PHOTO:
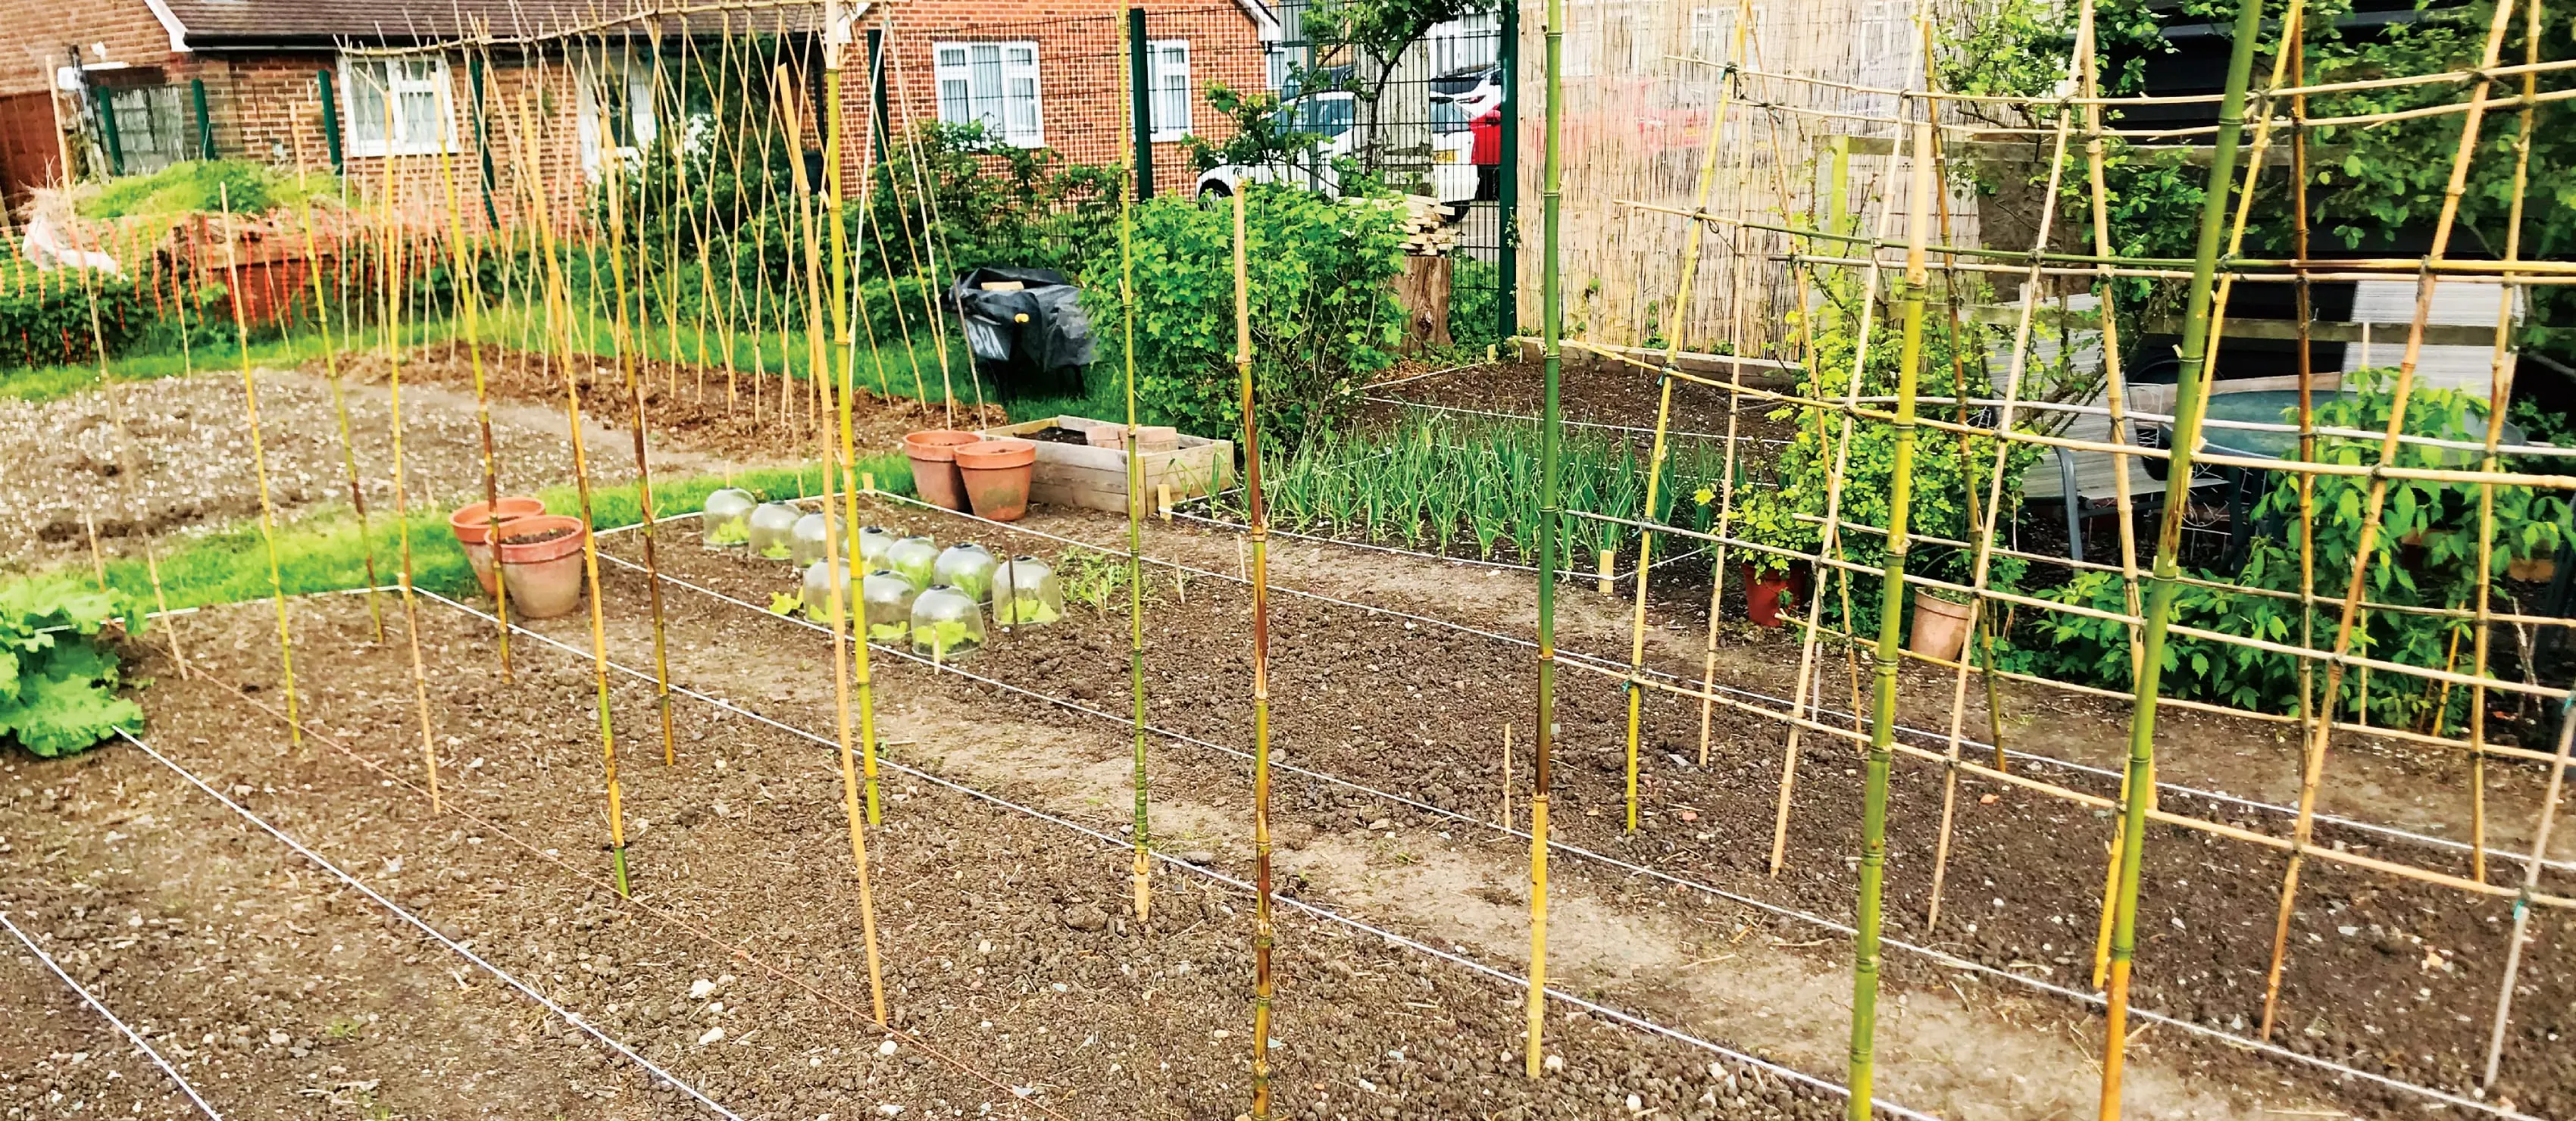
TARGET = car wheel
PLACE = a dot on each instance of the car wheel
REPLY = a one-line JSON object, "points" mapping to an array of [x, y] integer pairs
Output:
{"points": [[1214, 192]]}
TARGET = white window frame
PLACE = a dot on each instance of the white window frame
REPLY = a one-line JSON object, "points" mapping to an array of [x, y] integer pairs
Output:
{"points": [[386, 67], [963, 70], [1160, 71], [643, 121]]}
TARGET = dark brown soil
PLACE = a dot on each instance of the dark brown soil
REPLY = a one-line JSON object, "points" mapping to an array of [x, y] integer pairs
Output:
{"points": [[1607, 393], [684, 405], [1057, 434], [533, 538], [1006, 944], [2385, 975]]}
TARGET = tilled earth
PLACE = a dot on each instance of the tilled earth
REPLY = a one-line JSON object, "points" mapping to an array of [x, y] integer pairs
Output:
{"points": [[1009, 955], [2384, 974], [1604, 393]]}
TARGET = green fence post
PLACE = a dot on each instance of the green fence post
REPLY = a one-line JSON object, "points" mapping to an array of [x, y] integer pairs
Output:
{"points": [[105, 98], [883, 133], [330, 117], [205, 121], [1141, 101], [1507, 311], [482, 144]]}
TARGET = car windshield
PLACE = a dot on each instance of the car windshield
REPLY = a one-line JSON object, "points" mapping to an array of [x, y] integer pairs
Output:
{"points": [[1447, 117], [1324, 117]]}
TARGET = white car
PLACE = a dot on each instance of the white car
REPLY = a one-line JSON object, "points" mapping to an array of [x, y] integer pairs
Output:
{"points": [[1329, 115]]}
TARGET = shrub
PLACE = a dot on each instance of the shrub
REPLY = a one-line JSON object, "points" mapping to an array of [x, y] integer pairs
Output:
{"points": [[57, 680], [1324, 313], [202, 187]]}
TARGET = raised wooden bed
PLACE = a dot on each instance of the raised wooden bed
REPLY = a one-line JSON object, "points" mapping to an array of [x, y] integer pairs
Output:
{"points": [[1081, 475]]}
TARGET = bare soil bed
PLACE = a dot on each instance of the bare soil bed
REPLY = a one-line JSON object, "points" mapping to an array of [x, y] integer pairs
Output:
{"points": [[686, 406], [2385, 975], [1009, 956]]}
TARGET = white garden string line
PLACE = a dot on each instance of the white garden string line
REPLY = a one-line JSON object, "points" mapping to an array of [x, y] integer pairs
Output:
{"points": [[562, 1013], [1122, 844], [1418, 377], [1919, 735], [94, 1003], [1941, 957]]}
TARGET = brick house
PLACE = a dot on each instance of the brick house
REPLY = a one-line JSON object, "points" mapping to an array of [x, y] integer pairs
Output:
{"points": [[126, 87]]}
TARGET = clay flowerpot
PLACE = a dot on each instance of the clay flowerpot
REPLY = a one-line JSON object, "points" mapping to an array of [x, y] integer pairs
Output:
{"points": [[995, 474], [472, 527], [2534, 569], [1940, 628], [542, 557], [934, 465], [1766, 593]]}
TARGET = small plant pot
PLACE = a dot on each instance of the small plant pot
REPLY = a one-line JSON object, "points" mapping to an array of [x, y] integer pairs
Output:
{"points": [[1767, 593], [472, 527], [934, 465], [995, 474], [1940, 628], [542, 556]]}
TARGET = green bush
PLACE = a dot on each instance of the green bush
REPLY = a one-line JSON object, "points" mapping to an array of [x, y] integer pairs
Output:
{"points": [[57, 680], [45, 316], [1324, 313], [204, 187]]}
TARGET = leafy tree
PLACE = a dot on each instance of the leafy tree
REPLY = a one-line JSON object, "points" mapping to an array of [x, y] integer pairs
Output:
{"points": [[1262, 134]]}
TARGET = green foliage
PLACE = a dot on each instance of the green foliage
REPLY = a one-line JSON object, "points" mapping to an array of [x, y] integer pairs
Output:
{"points": [[2425, 555], [1472, 487], [1324, 313], [203, 187], [1261, 133], [45, 315], [57, 680], [1789, 514]]}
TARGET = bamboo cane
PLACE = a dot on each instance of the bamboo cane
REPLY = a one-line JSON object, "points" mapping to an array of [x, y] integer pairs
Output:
{"points": [[2191, 401], [622, 337], [559, 316], [402, 524], [1664, 404], [2500, 391], [1264, 931], [1882, 735], [1143, 886], [124, 478], [2374, 501], [833, 185], [259, 469], [469, 299], [1551, 366], [1983, 516]]}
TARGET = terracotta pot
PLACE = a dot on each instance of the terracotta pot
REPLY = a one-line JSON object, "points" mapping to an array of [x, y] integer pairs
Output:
{"points": [[470, 525], [2534, 569], [545, 576], [1764, 594], [934, 465], [995, 474], [1940, 628]]}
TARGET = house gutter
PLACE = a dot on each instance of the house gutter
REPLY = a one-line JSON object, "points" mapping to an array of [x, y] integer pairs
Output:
{"points": [[170, 23]]}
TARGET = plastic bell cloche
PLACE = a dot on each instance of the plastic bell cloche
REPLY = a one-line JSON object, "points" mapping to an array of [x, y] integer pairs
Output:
{"points": [[914, 557], [1025, 593], [967, 567], [769, 530], [817, 593], [806, 544], [725, 520], [888, 597], [946, 623], [874, 540]]}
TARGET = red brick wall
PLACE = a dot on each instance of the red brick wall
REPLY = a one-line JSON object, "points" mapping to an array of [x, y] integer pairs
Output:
{"points": [[1082, 69], [33, 42]]}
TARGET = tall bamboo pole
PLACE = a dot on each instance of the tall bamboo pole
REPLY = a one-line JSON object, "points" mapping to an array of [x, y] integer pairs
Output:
{"points": [[1882, 724], [388, 230], [2191, 400], [259, 468], [834, 147], [1550, 516], [2500, 392], [1142, 880], [125, 479], [469, 300], [2373, 503], [559, 313], [622, 338], [1264, 933], [1664, 404]]}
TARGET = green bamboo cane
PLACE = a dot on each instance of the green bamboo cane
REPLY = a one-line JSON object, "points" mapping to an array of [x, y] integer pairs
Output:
{"points": [[1264, 933], [1882, 724], [622, 339], [2191, 399], [1550, 516], [842, 290], [259, 468], [1143, 889], [1664, 405], [469, 299]]}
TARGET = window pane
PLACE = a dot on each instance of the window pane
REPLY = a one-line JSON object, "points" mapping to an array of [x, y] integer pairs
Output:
{"points": [[1024, 56], [367, 103], [1024, 109], [953, 104], [952, 56], [419, 123], [984, 75]]}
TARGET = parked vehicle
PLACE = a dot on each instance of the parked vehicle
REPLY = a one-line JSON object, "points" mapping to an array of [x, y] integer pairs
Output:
{"points": [[1329, 115]]}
